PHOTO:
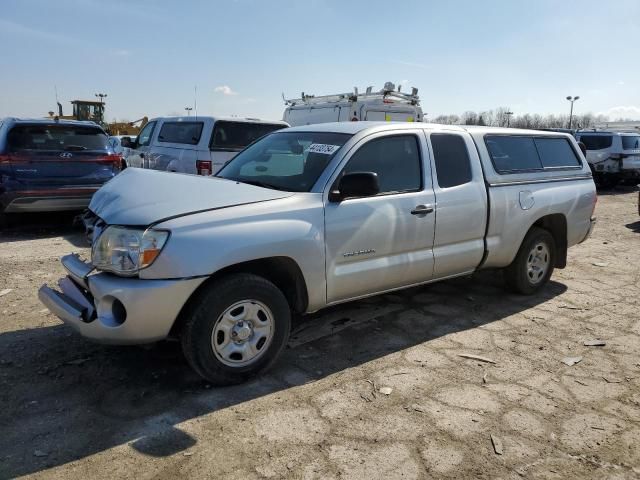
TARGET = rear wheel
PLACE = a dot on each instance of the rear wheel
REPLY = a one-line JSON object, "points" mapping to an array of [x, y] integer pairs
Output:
{"points": [[4, 221], [534, 263], [236, 328]]}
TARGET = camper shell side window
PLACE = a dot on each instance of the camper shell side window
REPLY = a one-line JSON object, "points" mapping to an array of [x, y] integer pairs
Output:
{"points": [[531, 153]]}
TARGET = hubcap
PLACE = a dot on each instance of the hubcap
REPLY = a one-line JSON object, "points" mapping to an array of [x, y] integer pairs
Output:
{"points": [[242, 333], [538, 263]]}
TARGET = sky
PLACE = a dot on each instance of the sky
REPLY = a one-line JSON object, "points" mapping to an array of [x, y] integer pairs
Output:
{"points": [[237, 57]]}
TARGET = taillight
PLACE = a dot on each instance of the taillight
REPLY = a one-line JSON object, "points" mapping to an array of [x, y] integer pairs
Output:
{"points": [[4, 161], [113, 158], [203, 167]]}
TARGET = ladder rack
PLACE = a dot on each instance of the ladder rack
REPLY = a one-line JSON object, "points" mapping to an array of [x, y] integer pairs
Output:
{"points": [[388, 92]]}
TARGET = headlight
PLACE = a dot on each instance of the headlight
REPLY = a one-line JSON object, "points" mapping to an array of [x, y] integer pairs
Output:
{"points": [[127, 250]]}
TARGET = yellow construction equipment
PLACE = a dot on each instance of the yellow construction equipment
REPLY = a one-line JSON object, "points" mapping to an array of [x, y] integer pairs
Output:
{"points": [[89, 110], [126, 128]]}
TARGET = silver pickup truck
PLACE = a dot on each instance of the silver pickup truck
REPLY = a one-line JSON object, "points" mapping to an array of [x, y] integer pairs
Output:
{"points": [[314, 216]]}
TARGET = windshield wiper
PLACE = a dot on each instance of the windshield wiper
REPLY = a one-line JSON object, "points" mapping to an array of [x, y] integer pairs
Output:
{"points": [[74, 148]]}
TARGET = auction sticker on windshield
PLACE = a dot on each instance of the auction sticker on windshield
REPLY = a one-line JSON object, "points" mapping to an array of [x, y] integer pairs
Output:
{"points": [[323, 148]]}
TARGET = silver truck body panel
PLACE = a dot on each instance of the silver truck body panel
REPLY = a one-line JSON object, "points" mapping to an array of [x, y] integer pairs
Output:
{"points": [[142, 197], [216, 239]]}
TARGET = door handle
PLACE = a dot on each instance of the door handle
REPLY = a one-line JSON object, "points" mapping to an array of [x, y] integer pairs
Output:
{"points": [[422, 210]]}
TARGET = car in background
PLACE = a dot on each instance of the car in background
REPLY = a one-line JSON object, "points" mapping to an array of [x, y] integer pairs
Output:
{"points": [[200, 145], [116, 143], [614, 156], [52, 165]]}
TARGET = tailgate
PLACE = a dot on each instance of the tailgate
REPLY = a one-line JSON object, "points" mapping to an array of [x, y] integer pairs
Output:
{"points": [[60, 154]]}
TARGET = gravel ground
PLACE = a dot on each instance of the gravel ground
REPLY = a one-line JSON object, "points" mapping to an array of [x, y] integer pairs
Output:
{"points": [[70, 409]]}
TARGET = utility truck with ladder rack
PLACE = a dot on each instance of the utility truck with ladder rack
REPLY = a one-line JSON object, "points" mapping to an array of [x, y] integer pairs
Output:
{"points": [[389, 104]]}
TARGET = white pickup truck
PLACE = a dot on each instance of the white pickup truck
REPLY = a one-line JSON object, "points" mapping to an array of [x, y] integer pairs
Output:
{"points": [[313, 216]]}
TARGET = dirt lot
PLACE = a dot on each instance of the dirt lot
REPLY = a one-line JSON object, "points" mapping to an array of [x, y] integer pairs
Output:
{"points": [[70, 409]]}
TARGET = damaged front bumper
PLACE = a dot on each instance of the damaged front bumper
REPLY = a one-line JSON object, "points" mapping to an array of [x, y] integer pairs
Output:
{"points": [[110, 309]]}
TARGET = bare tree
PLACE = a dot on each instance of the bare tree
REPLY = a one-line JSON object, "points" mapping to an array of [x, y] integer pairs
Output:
{"points": [[469, 118], [499, 117], [502, 119]]}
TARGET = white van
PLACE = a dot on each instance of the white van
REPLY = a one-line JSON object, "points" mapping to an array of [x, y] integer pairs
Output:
{"points": [[389, 104], [200, 145]]}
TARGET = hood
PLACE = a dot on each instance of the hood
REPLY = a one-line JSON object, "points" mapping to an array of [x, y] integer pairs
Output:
{"points": [[142, 197]]}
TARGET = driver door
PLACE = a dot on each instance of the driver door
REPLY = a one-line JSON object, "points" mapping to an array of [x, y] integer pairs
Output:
{"points": [[379, 243]]}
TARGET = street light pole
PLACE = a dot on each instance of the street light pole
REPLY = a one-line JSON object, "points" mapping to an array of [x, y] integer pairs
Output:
{"points": [[508, 114], [571, 99], [101, 96], [188, 109]]}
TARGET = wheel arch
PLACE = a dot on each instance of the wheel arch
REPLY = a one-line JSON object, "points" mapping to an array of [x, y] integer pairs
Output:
{"points": [[556, 225], [282, 271]]}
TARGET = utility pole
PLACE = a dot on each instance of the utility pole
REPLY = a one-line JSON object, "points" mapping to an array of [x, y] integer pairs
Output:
{"points": [[571, 99], [188, 110], [508, 114]]}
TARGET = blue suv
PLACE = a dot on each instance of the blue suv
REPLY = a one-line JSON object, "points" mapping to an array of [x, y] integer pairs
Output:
{"points": [[52, 165]]}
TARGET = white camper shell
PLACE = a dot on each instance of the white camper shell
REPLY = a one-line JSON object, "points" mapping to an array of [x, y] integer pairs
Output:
{"points": [[389, 104]]}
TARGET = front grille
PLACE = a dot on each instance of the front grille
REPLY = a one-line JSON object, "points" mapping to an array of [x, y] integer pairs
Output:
{"points": [[93, 225]]}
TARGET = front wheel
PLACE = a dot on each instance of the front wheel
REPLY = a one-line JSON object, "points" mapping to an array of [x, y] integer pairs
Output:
{"points": [[534, 263], [237, 327]]}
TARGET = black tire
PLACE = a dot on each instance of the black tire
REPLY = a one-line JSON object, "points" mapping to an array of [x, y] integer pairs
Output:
{"points": [[607, 181], [4, 221], [208, 307], [518, 277]]}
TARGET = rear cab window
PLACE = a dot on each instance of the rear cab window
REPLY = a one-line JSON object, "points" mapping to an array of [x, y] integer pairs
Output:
{"points": [[516, 154], [57, 137], [187, 133], [235, 136], [450, 154]]}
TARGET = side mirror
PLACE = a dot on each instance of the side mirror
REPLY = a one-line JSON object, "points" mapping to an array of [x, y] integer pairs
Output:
{"points": [[126, 142], [355, 184]]}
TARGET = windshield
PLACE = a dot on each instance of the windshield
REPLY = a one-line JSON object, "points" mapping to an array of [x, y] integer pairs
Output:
{"points": [[631, 142], [290, 161]]}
